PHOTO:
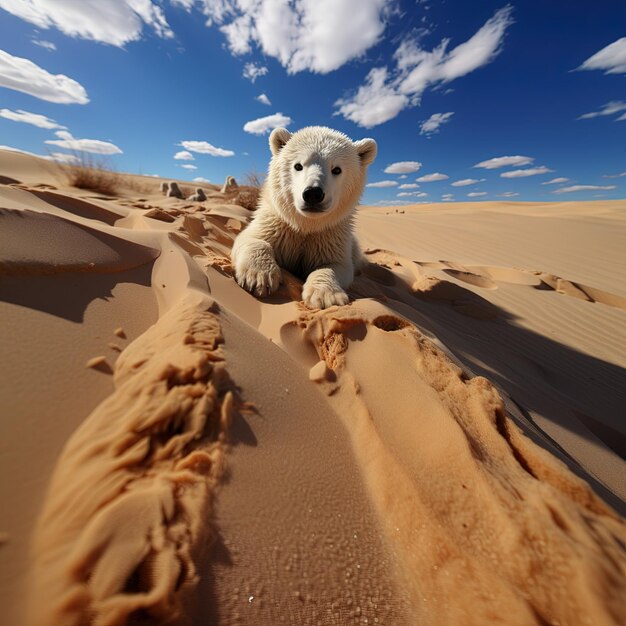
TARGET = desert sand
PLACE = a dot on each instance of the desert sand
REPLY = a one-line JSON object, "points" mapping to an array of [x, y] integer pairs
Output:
{"points": [[446, 449]]}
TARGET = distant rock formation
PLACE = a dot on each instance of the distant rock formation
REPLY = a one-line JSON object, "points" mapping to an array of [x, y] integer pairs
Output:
{"points": [[230, 184], [174, 191], [165, 187], [199, 196]]}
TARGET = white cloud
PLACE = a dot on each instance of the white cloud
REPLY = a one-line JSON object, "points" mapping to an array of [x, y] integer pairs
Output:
{"points": [[383, 183], [263, 125], [476, 194], [252, 71], [508, 194], [114, 22], [432, 124], [431, 178], [184, 155], [25, 76], [531, 171], [315, 35], [447, 197], [504, 161], [555, 181], [409, 186], [467, 181], [403, 167], [416, 194], [42, 43], [263, 99], [374, 103], [189, 166], [204, 147], [610, 108], [34, 119], [612, 59], [95, 146], [386, 93], [583, 188], [201, 179], [614, 175]]}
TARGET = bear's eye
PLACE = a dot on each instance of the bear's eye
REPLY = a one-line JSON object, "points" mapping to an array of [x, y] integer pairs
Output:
{"points": [[298, 167], [336, 171]]}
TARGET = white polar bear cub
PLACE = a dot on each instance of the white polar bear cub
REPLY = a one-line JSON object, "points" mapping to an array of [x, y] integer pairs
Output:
{"points": [[304, 220]]}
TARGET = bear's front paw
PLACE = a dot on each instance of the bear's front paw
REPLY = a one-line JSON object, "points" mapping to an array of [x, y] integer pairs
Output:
{"points": [[261, 281], [318, 296]]}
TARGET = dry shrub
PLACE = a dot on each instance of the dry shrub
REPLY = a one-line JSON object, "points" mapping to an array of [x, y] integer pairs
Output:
{"points": [[245, 196], [254, 178], [92, 173]]}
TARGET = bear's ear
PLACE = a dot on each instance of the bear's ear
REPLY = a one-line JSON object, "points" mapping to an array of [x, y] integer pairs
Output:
{"points": [[278, 138], [367, 150]]}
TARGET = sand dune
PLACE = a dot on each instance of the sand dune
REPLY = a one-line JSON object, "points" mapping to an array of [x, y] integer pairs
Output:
{"points": [[446, 449]]}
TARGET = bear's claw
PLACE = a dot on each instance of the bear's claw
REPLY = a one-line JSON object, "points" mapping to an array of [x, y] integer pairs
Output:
{"points": [[323, 297], [260, 282]]}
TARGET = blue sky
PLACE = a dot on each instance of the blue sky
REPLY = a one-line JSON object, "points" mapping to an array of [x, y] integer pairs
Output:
{"points": [[447, 88]]}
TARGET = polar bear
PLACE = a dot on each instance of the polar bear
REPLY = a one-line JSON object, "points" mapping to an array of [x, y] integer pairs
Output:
{"points": [[304, 220]]}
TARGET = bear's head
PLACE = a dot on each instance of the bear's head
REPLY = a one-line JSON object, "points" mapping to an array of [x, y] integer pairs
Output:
{"points": [[317, 175]]}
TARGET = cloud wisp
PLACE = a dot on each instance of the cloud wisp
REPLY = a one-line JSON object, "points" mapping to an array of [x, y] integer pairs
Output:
{"points": [[263, 125], [611, 59], [574, 188], [467, 181], [94, 146], [610, 108], [432, 178], [204, 147], [504, 161], [263, 99], [432, 124], [403, 167], [556, 181], [530, 171], [386, 93], [34, 119], [383, 183], [23, 75]]}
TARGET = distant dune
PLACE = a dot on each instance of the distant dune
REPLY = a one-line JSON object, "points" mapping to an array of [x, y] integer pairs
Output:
{"points": [[449, 448]]}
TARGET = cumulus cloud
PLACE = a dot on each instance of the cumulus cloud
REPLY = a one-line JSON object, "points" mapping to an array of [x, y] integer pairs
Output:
{"points": [[201, 179], [431, 178], [476, 194], [114, 22], [530, 171], [611, 59], [263, 125], [189, 166], [42, 43], [584, 188], [504, 161], [184, 155], [95, 146], [555, 181], [403, 167], [409, 186], [25, 76], [432, 124], [386, 93], [315, 35], [34, 119], [251, 71], [467, 181], [263, 99], [610, 108], [204, 147], [383, 183]]}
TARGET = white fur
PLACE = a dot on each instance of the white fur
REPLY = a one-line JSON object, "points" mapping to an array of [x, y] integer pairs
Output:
{"points": [[318, 246]]}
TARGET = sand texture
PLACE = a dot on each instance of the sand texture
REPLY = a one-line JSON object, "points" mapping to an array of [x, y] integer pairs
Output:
{"points": [[447, 449]]}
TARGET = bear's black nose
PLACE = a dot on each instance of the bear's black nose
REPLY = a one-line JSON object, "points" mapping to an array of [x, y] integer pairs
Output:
{"points": [[313, 195]]}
